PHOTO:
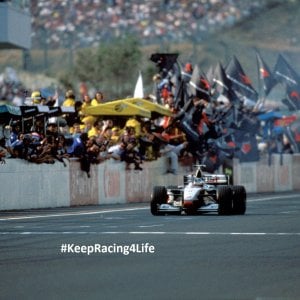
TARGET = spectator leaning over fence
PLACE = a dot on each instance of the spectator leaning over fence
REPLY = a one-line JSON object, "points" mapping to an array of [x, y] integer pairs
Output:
{"points": [[93, 150], [61, 149], [15, 149], [131, 156], [76, 148], [14, 130], [117, 150], [103, 149], [46, 151], [128, 135], [172, 152]]}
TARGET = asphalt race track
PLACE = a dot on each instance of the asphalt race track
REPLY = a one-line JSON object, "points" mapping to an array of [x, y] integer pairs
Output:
{"points": [[123, 252]]}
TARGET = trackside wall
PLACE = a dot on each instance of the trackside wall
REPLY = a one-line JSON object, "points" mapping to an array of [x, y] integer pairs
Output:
{"points": [[25, 185], [281, 174]]}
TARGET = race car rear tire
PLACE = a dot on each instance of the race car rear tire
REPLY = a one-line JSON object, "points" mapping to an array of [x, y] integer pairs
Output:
{"points": [[158, 196], [238, 199], [224, 199]]}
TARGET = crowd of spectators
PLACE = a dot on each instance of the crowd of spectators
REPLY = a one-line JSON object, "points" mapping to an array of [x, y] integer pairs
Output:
{"points": [[131, 140], [89, 139], [61, 24], [201, 130]]}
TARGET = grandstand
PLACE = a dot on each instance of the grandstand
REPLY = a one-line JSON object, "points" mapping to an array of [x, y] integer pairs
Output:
{"points": [[90, 22]]}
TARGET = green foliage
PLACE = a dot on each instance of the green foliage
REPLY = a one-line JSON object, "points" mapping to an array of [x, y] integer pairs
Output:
{"points": [[113, 67]]}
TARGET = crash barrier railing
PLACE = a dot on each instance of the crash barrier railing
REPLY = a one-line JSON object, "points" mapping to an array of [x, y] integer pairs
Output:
{"points": [[26, 185]]}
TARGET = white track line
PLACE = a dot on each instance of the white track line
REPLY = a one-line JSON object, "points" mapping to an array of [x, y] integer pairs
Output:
{"points": [[82, 213], [274, 198], [198, 233]]}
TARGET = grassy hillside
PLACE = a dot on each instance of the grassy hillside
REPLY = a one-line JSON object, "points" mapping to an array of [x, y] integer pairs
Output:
{"points": [[273, 31]]}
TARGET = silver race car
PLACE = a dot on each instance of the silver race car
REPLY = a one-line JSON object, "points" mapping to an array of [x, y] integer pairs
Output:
{"points": [[200, 193]]}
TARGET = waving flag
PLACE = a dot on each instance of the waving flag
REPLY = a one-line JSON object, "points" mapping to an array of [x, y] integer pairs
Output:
{"points": [[139, 88], [293, 96], [284, 73], [199, 84], [221, 85], [164, 60], [265, 75], [239, 80]]}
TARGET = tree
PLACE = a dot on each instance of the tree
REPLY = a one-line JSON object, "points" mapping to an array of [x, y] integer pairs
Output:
{"points": [[111, 67]]}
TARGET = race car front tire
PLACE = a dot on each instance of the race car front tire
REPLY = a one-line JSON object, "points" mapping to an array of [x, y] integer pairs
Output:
{"points": [[158, 196], [224, 199], [238, 200]]}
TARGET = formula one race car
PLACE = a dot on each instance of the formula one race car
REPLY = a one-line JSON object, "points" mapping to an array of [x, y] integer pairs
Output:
{"points": [[200, 193]]}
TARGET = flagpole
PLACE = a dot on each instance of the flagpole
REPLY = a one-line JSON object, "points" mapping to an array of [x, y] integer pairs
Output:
{"points": [[261, 99]]}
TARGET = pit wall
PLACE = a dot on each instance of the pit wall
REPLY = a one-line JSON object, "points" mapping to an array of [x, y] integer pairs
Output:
{"points": [[25, 185]]}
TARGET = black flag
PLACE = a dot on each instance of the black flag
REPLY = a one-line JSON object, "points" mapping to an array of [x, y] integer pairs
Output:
{"points": [[164, 60], [240, 81], [284, 73], [221, 85], [265, 75], [199, 85]]}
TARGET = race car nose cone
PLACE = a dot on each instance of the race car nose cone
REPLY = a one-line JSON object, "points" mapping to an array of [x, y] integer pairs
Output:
{"points": [[188, 204]]}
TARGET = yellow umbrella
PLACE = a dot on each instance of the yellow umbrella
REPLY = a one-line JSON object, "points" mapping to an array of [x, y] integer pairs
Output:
{"points": [[117, 108], [153, 107]]}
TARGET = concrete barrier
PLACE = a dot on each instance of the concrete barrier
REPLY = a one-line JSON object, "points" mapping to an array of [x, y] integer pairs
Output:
{"points": [[27, 185]]}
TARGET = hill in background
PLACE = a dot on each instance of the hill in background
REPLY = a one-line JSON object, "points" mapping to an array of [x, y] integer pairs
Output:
{"points": [[273, 31]]}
